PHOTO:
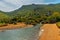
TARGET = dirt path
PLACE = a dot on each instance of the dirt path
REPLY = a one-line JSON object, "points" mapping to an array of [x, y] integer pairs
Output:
{"points": [[51, 32]]}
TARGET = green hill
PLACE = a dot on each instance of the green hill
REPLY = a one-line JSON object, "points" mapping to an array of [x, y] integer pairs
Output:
{"points": [[33, 14]]}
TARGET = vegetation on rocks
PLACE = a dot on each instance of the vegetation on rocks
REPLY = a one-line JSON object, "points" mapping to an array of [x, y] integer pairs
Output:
{"points": [[32, 14], [58, 24]]}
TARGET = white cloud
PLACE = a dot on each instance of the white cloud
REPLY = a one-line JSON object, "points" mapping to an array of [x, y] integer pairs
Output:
{"points": [[9, 5]]}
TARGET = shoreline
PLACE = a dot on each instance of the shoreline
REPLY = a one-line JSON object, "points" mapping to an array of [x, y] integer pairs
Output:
{"points": [[41, 32], [15, 26]]}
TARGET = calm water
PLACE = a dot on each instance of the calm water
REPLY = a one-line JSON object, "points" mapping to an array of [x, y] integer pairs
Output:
{"points": [[21, 34]]}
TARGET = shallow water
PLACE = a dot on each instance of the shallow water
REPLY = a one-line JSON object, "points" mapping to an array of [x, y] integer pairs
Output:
{"points": [[21, 34]]}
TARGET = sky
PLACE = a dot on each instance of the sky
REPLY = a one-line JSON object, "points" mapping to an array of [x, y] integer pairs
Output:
{"points": [[10, 5]]}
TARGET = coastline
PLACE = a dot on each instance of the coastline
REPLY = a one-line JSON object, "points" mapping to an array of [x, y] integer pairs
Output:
{"points": [[15, 26]]}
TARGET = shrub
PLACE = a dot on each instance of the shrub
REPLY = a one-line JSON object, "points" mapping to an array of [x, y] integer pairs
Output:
{"points": [[58, 24], [3, 24]]}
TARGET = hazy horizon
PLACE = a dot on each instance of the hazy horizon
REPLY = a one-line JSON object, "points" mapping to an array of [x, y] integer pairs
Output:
{"points": [[10, 5]]}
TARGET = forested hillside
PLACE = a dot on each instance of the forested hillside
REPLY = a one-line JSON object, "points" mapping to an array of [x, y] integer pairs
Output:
{"points": [[33, 14]]}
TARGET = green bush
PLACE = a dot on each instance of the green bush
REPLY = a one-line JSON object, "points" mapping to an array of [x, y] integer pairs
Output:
{"points": [[58, 24], [3, 24]]}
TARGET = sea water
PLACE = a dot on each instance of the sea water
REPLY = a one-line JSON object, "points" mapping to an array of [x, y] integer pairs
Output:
{"points": [[30, 33]]}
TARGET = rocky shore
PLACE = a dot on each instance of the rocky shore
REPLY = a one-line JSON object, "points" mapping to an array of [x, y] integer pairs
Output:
{"points": [[15, 26]]}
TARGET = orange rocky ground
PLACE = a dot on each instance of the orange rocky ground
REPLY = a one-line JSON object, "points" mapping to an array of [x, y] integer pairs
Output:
{"points": [[15, 26], [51, 32]]}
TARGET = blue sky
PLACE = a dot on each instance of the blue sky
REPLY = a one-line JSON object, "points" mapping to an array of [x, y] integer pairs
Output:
{"points": [[10, 5]]}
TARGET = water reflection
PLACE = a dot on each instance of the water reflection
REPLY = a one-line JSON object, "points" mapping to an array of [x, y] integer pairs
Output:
{"points": [[21, 34]]}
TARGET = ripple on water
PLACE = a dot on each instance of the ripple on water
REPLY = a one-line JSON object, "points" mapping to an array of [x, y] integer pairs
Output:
{"points": [[30, 33]]}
